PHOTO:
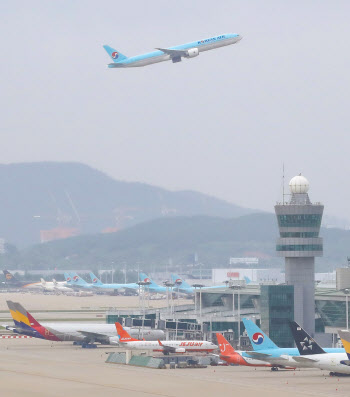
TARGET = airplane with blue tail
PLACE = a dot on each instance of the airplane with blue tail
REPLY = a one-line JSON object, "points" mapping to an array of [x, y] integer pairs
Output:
{"points": [[75, 281], [181, 285], [152, 286], [98, 284], [175, 54], [265, 348]]}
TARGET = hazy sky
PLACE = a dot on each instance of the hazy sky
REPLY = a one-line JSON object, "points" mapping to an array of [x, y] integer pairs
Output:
{"points": [[222, 123]]}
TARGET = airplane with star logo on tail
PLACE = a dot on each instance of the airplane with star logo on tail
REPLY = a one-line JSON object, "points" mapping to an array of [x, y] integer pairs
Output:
{"points": [[175, 54], [265, 349]]}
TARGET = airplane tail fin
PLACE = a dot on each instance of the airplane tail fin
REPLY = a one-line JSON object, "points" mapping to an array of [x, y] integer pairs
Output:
{"points": [[21, 317], [225, 347], [77, 279], [43, 282], [147, 279], [179, 281], [27, 323], [258, 339], [345, 338], [95, 280], [10, 278], [305, 344], [247, 280], [68, 278], [114, 54], [123, 334]]}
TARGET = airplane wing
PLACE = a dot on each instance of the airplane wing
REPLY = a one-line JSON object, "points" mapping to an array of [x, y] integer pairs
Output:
{"points": [[259, 356], [96, 337], [305, 360], [166, 348], [173, 53]]}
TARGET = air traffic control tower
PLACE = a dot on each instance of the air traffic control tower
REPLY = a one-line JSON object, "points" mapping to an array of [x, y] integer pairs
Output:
{"points": [[299, 223]]}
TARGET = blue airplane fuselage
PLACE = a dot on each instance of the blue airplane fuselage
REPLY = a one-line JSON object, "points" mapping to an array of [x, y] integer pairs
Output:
{"points": [[189, 50]]}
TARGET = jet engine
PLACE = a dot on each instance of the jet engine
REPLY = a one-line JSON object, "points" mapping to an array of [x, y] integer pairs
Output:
{"points": [[192, 52]]}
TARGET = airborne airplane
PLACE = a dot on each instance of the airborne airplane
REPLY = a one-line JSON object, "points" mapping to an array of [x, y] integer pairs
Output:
{"points": [[176, 53]]}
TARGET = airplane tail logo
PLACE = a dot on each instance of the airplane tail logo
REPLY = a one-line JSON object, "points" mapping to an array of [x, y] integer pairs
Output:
{"points": [[114, 54], [258, 338], [94, 280], [27, 324], [76, 278], [123, 334], [178, 281], [147, 280], [225, 347], [9, 276], [68, 279]]}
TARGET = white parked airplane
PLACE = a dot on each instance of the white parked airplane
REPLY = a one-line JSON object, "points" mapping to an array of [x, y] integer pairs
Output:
{"points": [[105, 334], [126, 341]]}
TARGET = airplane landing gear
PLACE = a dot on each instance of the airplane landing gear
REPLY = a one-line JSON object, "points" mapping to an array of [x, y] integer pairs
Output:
{"points": [[274, 368]]}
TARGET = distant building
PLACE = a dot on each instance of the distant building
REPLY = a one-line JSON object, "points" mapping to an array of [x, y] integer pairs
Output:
{"points": [[57, 234], [244, 261], [256, 275]]}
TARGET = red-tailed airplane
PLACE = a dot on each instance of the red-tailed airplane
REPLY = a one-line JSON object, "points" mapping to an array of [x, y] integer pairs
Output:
{"points": [[166, 347]]}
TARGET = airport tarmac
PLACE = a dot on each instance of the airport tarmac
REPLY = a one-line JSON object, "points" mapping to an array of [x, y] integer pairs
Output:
{"points": [[32, 367], [73, 308]]}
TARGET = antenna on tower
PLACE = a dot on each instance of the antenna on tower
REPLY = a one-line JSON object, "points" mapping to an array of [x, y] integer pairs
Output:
{"points": [[283, 184]]}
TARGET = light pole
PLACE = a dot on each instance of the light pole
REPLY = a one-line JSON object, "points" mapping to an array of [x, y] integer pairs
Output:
{"points": [[143, 284], [170, 285], [346, 292]]}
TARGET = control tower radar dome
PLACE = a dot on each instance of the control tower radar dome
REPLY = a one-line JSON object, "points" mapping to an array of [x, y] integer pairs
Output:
{"points": [[299, 184]]}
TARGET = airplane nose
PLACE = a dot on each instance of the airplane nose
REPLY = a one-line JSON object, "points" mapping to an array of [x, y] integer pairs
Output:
{"points": [[239, 37]]}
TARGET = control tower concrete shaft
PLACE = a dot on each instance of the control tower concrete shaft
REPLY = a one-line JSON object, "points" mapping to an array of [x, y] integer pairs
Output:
{"points": [[299, 223]]}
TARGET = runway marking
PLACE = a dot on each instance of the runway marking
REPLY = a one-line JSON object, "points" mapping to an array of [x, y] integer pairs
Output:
{"points": [[87, 383]]}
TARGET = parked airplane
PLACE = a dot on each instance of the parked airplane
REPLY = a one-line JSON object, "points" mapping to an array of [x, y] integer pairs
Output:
{"points": [[75, 281], [313, 356], [265, 348], [86, 334], [181, 285], [189, 50], [54, 286], [232, 356], [112, 287], [13, 282], [166, 347], [152, 287]]}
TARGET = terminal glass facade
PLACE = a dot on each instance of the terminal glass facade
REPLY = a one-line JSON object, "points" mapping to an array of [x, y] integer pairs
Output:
{"points": [[277, 309]]}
